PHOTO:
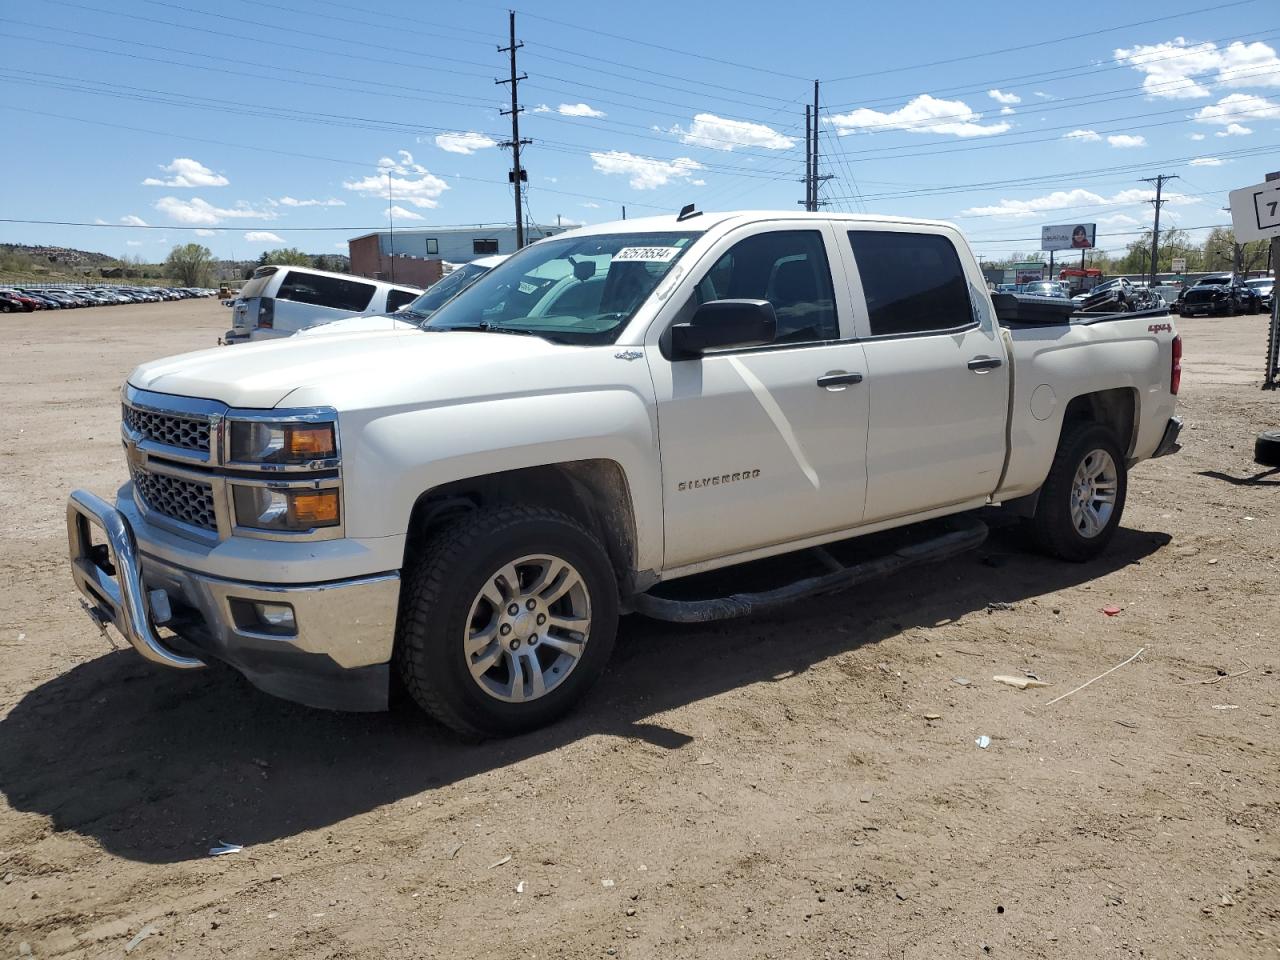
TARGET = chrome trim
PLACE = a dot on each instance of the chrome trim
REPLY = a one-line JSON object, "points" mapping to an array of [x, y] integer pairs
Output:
{"points": [[120, 600]]}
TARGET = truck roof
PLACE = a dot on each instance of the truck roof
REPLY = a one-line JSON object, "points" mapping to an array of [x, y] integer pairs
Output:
{"points": [[705, 221]]}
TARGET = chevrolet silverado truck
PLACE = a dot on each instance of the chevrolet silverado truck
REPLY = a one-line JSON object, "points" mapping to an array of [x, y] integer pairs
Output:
{"points": [[469, 505]]}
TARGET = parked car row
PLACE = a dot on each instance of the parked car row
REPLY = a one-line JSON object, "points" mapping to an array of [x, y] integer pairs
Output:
{"points": [[20, 299]]}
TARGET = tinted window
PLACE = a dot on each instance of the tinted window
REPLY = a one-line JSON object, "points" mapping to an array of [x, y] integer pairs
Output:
{"points": [[913, 282], [789, 269], [484, 246], [336, 292], [398, 298], [257, 283]]}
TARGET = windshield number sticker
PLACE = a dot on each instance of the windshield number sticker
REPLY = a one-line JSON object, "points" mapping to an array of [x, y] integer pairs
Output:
{"points": [[646, 254]]}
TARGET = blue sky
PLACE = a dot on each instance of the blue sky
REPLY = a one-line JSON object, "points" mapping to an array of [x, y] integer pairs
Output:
{"points": [[238, 123]]}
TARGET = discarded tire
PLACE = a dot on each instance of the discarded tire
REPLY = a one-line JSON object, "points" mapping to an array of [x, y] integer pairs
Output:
{"points": [[1266, 449]]}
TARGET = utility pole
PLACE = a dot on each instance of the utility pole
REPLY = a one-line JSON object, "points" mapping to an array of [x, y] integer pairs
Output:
{"points": [[813, 190], [1159, 181], [807, 202], [1271, 379], [517, 174]]}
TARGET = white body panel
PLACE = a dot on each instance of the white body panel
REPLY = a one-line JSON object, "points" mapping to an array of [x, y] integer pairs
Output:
{"points": [[921, 436], [290, 316]]}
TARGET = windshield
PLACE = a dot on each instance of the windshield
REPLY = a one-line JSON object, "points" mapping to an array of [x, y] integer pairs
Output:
{"points": [[570, 290], [1206, 281], [446, 287]]}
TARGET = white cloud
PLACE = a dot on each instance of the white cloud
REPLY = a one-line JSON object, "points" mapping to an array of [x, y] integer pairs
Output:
{"points": [[924, 114], [698, 183], [1124, 141], [133, 243], [206, 233], [133, 220], [645, 173], [1004, 98], [542, 108], [1118, 220], [294, 202], [400, 213], [1170, 69], [1045, 96], [1207, 162], [262, 236], [198, 211], [718, 133], [1089, 136], [1197, 136], [187, 173], [415, 185], [1069, 199], [99, 221], [579, 110], [464, 143], [1236, 107], [591, 205], [1007, 111], [1234, 130]]}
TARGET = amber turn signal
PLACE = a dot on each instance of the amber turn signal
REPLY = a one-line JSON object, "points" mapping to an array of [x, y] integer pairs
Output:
{"points": [[308, 442], [313, 508]]}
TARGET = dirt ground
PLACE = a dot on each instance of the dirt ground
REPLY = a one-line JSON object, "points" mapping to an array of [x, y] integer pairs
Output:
{"points": [[805, 784]]}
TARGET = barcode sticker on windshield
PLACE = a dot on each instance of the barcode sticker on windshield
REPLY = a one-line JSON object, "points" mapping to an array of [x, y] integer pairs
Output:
{"points": [[647, 254]]}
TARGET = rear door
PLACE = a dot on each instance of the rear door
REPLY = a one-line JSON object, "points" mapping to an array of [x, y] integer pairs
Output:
{"points": [[755, 450], [937, 376]]}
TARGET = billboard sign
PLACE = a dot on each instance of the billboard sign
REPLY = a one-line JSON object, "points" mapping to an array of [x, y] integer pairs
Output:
{"points": [[1029, 272], [1069, 236], [1179, 264]]}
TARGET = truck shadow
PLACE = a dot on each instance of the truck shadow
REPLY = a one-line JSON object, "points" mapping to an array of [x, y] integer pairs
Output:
{"points": [[157, 766]]}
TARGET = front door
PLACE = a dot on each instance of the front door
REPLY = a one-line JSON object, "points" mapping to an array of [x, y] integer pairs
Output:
{"points": [[755, 450]]}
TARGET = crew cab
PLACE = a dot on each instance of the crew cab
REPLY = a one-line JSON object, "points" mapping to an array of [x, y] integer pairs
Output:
{"points": [[472, 503]]}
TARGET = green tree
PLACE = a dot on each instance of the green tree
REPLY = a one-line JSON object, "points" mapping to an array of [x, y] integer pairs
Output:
{"points": [[285, 256], [191, 264], [1221, 252]]}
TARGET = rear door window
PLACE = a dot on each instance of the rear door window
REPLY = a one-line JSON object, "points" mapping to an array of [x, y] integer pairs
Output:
{"points": [[913, 282], [336, 292]]}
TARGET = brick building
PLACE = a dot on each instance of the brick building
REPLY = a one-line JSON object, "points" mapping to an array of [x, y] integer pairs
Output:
{"points": [[416, 255]]}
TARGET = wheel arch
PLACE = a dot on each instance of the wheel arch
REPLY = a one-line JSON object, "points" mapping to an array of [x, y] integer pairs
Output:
{"points": [[596, 493], [1116, 409]]}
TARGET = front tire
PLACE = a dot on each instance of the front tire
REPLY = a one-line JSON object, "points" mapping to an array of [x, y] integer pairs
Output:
{"points": [[506, 621], [1083, 497]]}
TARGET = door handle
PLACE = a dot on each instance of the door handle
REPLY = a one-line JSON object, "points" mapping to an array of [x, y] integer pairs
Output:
{"points": [[983, 364], [838, 378]]}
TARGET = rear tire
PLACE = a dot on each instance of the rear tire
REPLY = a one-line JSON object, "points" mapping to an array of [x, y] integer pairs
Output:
{"points": [[476, 666], [1083, 497]]}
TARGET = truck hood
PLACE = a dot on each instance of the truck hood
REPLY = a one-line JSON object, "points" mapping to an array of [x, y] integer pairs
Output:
{"points": [[349, 370]]}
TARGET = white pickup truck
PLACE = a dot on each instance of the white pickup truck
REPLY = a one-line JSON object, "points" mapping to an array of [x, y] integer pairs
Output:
{"points": [[469, 506]]}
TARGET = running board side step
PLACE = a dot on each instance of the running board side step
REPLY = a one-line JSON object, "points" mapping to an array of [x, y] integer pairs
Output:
{"points": [[942, 547]]}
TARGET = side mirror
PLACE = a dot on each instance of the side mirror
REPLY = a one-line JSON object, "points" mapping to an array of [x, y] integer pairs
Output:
{"points": [[723, 324]]}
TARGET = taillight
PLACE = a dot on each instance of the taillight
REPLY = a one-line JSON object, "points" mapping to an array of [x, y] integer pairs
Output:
{"points": [[1175, 370], [266, 313]]}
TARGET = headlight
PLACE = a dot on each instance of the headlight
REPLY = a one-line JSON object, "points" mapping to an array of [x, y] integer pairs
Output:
{"points": [[279, 508], [282, 443]]}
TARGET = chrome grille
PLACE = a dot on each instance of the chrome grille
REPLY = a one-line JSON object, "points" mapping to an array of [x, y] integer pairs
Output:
{"points": [[188, 501], [187, 433]]}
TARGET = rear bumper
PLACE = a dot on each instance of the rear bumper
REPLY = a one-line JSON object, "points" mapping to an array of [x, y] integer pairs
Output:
{"points": [[1169, 442], [335, 655]]}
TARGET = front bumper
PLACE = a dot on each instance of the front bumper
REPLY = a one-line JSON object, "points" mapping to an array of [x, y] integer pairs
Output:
{"points": [[1169, 442], [336, 655]]}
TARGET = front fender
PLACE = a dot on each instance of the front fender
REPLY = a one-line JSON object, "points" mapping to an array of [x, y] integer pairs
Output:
{"points": [[391, 457]]}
